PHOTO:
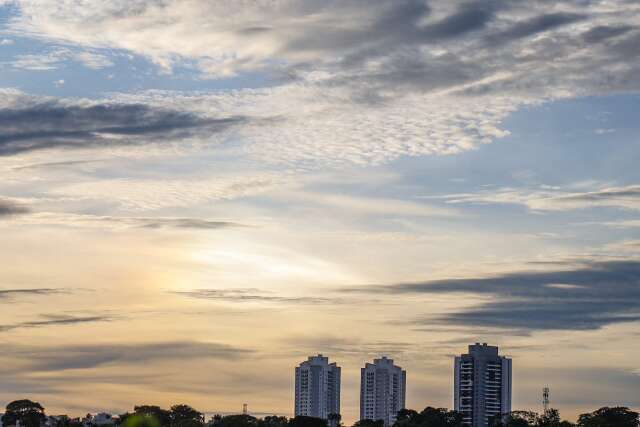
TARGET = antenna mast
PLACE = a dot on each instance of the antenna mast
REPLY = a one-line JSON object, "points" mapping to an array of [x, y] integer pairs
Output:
{"points": [[545, 399]]}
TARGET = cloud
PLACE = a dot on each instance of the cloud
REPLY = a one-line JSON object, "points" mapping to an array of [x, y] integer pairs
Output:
{"points": [[535, 25], [351, 82], [54, 124], [6, 42], [67, 357], [55, 58], [149, 194], [588, 296], [7, 293], [123, 222], [249, 295], [552, 199], [11, 208], [56, 320]]}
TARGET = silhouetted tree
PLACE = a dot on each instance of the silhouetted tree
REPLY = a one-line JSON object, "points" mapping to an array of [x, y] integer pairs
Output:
{"points": [[609, 417], [369, 423], [163, 416], [238, 421], [141, 420], [515, 419], [273, 421], [185, 416], [335, 420], [302, 421], [429, 417], [29, 413]]}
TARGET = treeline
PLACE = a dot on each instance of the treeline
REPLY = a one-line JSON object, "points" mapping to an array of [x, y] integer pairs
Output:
{"points": [[27, 413]]}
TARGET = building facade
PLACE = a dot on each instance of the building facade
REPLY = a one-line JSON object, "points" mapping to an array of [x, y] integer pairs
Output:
{"points": [[317, 388], [383, 387], [482, 385]]}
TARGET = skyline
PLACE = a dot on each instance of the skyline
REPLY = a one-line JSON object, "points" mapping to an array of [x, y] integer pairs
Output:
{"points": [[196, 195]]}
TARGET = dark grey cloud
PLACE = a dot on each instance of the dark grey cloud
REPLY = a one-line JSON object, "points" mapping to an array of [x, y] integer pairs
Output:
{"points": [[10, 208], [589, 296], [56, 358], [57, 320], [53, 124], [470, 17], [604, 32]]}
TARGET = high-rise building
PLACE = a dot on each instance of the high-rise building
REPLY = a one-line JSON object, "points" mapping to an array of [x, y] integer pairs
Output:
{"points": [[482, 385], [383, 387], [317, 390]]}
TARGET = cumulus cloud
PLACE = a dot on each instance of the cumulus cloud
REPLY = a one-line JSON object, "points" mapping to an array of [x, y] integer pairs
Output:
{"points": [[588, 296]]}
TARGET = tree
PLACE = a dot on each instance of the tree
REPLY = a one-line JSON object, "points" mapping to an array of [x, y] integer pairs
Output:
{"points": [[302, 421], [609, 417], [515, 419], [429, 417], [273, 421], [369, 423], [335, 420], [163, 416], [185, 416], [140, 420], [243, 420], [29, 413]]}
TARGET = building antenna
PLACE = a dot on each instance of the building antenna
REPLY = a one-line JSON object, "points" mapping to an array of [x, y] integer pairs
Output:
{"points": [[545, 400], [245, 409]]}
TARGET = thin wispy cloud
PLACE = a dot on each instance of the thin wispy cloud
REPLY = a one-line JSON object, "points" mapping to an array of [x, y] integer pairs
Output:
{"points": [[56, 320], [255, 296], [553, 199], [8, 293], [52, 358], [124, 222]]}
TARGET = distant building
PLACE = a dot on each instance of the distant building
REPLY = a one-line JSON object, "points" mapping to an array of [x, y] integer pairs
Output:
{"points": [[317, 389], [482, 385], [383, 388], [101, 419]]}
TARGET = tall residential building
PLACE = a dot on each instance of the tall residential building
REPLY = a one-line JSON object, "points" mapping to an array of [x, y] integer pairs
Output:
{"points": [[383, 387], [482, 385], [317, 388]]}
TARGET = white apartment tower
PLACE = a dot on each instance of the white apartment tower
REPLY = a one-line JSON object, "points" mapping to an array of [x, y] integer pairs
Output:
{"points": [[317, 388], [383, 387], [482, 385]]}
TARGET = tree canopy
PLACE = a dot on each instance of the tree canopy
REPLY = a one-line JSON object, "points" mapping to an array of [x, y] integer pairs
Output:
{"points": [[619, 416], [29, 413], [429, 417]]}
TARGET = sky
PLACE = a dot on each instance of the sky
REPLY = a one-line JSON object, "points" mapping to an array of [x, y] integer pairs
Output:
{"points": [[198, 195]]}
